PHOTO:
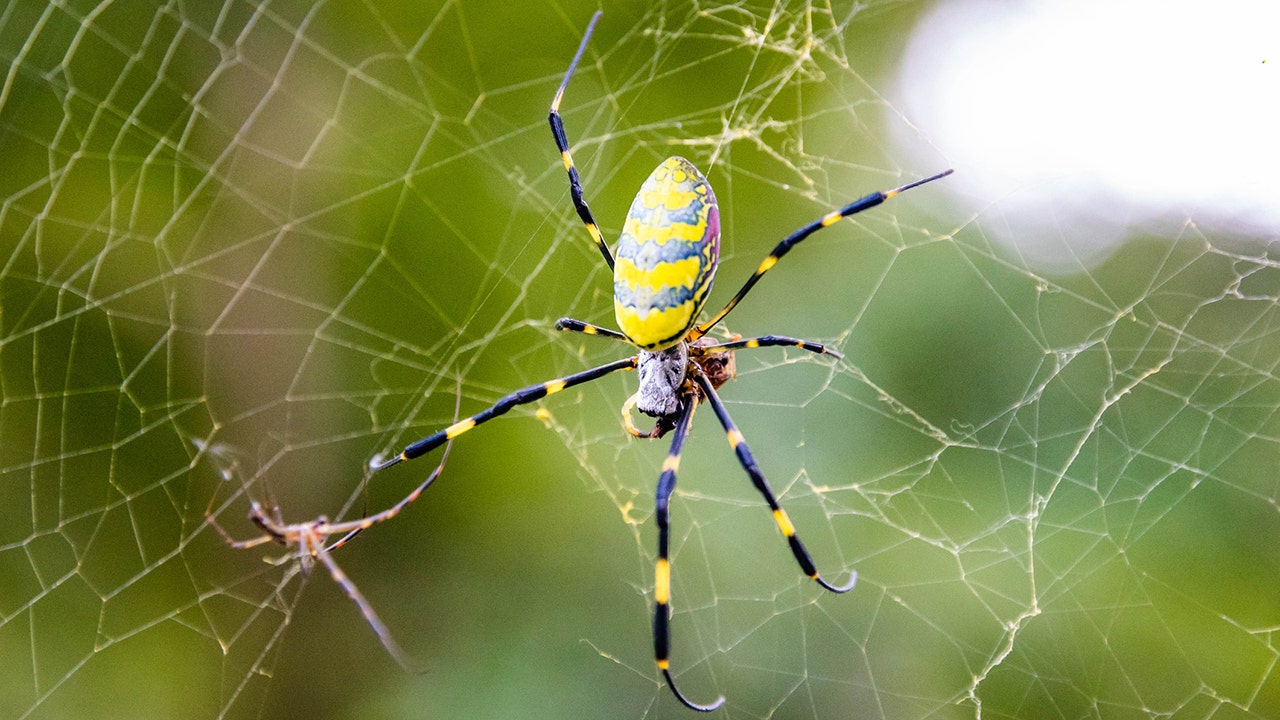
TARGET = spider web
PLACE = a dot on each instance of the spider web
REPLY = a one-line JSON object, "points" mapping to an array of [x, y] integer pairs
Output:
{"points": [[249, 247]]}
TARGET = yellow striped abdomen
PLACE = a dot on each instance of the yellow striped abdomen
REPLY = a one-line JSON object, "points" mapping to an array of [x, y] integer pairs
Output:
{"points": [[667, 256]]}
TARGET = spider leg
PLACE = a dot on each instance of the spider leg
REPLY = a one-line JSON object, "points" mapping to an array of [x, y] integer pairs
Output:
{"points": [[662, 571], [519, 397], [794, 239], [748, 463], [777, 341], [571, 325], [238, 544], [562, 142], [355, 527], [384, 634]]}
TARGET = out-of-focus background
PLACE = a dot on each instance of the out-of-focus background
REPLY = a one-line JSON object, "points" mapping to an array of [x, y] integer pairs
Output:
{"points": [[245, 248]]}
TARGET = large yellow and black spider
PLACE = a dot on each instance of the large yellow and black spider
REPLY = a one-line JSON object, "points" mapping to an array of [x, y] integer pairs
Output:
{"points": [[666, 261]]}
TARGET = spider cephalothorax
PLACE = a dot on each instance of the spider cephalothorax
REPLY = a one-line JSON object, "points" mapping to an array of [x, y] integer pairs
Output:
{"points": [[666, 385], [662, 375]]}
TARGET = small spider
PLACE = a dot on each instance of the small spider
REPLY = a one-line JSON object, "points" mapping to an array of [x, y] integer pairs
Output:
{"points": [[308, 542], [666, 261]]}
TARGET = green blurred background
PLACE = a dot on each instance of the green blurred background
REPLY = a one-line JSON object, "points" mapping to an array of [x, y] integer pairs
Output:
{"points": [[247, 247]]}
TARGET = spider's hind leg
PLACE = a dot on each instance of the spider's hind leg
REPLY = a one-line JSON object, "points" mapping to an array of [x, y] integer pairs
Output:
{"points": [[567, 324]]}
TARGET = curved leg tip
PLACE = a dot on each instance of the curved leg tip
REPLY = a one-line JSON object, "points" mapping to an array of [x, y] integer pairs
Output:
{"points": [[686, 701], [838, 589], [378, 463]]}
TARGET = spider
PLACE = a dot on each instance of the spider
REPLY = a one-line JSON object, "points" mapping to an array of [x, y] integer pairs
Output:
{"points": [[662, 273], [308, 541]]}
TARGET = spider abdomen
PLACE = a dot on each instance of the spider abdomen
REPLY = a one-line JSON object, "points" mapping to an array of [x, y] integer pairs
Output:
{"points": [[667, 255]]}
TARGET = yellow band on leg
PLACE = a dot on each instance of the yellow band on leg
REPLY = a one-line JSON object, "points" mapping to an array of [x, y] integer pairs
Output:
{"points": [[662, 582], [784, 522]]}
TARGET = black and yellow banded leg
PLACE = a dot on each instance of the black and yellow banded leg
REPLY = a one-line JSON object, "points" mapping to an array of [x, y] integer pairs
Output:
{"points": [[662, 572], [519, 397], [562, 142], [794, 239], [571, 325], [778, 341], [748, 463]]}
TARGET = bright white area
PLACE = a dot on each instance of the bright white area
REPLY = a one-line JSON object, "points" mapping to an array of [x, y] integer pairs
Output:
{"points": [[1087, 120]]}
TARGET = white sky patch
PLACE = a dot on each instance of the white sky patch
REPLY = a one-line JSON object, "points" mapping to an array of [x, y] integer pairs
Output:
{"points": [[1103, 114]]}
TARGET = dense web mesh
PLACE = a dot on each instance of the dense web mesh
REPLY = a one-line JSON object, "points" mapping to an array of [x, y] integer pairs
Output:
{"points": [[248, 247]]}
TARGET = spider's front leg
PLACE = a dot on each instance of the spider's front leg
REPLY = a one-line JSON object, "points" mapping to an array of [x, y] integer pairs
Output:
{"points": [[505, 403], [562, 144]]}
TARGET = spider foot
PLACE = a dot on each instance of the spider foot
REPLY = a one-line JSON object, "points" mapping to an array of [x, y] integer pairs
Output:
{"points": [[838, 589], [666, 673]]}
